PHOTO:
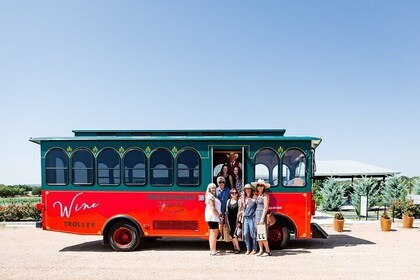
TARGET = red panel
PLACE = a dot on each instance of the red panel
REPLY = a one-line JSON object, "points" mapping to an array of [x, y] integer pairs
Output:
{"points": [[87, 212]]}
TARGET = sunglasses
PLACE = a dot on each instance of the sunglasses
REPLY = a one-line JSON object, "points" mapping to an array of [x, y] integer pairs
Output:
{"points": [[221, 182], [234, 193]]}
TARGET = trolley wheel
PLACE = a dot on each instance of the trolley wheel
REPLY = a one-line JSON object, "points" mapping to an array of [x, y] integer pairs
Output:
{"points": [[124, 237], [278, 236]]}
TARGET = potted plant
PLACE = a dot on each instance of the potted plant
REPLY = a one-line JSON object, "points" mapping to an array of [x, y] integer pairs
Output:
{"points": [[386, 221], [408, 219], [338, 221]]}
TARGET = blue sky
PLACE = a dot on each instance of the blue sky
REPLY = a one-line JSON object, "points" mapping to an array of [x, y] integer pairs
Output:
{"points": [[347, 71]]}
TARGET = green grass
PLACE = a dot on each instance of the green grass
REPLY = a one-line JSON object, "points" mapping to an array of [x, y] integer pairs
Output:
{"points": [[19, 200]]}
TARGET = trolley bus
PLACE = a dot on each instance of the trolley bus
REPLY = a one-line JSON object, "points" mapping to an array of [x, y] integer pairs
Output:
{"points": [[131, 185]]}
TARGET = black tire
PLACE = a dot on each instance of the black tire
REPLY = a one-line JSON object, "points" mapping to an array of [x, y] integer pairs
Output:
{"points": [[278, 236], [124, 237]]}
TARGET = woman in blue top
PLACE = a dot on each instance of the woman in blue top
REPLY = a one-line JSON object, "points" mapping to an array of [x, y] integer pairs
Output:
{"points": [[261, 213], [247, 209]]}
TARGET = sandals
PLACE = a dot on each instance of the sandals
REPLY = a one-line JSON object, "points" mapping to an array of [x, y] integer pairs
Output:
{"points": [[253, 252], [236, 251], [259, 254], [266, 254], [215, 254]]}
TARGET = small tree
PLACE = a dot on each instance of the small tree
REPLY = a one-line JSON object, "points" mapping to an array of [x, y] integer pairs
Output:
{"points": [[415, 186], [332, 195], [364, 186], [395, 188]]}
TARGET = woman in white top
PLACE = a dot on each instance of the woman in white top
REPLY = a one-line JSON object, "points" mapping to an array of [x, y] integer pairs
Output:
{"points": [[212, 216]]}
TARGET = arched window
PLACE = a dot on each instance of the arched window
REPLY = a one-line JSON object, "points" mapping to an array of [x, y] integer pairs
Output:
{"points": [[135, 168], [162, 168], [188, 165], [108, 167], [56, 167], [82, 167], [294, 168], [266, 166]]}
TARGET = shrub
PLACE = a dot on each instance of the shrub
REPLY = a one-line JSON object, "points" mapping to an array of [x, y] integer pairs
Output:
{"points": [[402, 206], [316, 190], [415, 184], [395, 189], [364, 186], [36, 191], [19, 212], [332, 195]]}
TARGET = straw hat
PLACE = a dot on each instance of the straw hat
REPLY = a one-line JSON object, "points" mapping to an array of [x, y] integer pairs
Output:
{"points": [[248, 186], [261, 182]]}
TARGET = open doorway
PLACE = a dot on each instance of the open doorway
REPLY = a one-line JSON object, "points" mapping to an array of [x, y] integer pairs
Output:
{"points": [[229, 164]]}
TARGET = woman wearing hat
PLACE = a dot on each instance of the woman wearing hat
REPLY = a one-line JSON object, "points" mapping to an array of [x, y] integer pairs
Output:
{"points": [[247, 209], [261, 213]]}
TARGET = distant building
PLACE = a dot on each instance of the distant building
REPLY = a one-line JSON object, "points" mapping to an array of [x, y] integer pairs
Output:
{"points": [[350, 169]]}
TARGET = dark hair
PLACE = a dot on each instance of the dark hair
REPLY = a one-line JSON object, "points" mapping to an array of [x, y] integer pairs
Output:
{"points": [[239, 171], [251, 193], [263, 191], [221, 170]]}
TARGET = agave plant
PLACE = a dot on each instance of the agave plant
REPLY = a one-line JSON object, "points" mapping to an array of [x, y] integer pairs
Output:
{"points": [[339, 216]]}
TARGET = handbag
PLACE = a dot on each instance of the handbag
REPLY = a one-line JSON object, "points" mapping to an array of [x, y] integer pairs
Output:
{"points": [[226, 233], [261, 232], [238, 231], [271, 220]]}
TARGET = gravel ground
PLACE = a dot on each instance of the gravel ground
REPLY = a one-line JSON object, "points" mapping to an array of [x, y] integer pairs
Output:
{"points": [[361, 252]]}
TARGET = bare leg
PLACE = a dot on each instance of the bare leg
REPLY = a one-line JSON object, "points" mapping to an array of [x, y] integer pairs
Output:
{"points": [[267, 248], [214, 240], [235, 244], [260, 244]]}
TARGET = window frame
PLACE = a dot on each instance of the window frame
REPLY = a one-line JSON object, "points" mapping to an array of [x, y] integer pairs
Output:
{"points": [[278, 163], [97, 167], [193, 169], [152, 169], [56, 168], [145, 168], [72, 167], [306, 169]]}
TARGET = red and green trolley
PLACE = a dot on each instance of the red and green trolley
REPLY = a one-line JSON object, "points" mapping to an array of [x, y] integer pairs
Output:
{"points": [[130, 185]]}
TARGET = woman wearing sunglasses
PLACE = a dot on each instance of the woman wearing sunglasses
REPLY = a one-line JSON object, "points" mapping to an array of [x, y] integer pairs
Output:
{"points": [[261, 213], [232, 218]]}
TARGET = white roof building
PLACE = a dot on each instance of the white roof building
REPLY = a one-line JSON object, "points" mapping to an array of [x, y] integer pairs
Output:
{"points": [[349, 169]]}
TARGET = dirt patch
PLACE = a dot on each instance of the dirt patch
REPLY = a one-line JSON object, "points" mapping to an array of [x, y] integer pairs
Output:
{"points": [[362, 251]]}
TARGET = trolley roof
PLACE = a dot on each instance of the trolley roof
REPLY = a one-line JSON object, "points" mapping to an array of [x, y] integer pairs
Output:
{"points": [[196, 135]]}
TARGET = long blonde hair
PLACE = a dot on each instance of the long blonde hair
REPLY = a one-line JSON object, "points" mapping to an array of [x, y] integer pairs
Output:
{"points": [[209, 186]]}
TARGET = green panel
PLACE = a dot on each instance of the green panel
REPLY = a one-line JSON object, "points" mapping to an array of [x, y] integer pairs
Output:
{"points": [[202, 147]]}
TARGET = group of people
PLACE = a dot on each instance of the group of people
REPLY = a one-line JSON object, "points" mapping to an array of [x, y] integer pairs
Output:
{"points": [[232, 172], [242, 211]]}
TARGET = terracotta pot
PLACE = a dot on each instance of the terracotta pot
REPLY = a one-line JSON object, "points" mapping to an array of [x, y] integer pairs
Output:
{"points": [[338, 225], [386, 224], [407, 221]]}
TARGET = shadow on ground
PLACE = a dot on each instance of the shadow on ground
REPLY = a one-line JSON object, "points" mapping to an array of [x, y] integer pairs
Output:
{"points": [[297, 246], [336, 240]]}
